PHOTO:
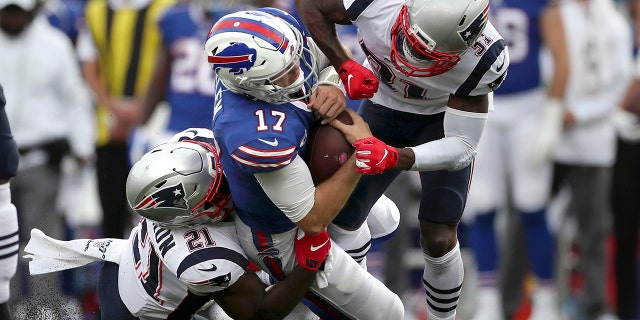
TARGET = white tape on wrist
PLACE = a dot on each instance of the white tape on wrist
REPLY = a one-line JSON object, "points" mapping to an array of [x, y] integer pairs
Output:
{"points": [[329, 76]]}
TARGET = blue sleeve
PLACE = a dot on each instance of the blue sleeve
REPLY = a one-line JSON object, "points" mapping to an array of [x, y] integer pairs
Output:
{"points": [[8, 147]]}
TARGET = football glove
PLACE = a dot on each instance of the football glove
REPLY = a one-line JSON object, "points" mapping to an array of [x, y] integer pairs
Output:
{"points": [[374, 156], [359, 82], [312, 250]]}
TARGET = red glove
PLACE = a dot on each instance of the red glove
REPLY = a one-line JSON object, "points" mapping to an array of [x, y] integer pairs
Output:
{"points": [[312, 250], [374, 156], [359, 81]]}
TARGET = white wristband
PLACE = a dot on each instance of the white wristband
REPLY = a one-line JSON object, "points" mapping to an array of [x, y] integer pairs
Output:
{"points": [[329, 76]]}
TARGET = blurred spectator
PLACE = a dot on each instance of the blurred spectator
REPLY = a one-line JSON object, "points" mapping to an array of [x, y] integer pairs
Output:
{"points": [[49, 109], [624, 201], [624, 190], [503, 173], [597, 43], [118, 49], [66, 15]]}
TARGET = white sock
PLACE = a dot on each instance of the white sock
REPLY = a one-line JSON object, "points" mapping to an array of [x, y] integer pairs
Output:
{"points": [[356, 243], [442, 280], [8, 241]]}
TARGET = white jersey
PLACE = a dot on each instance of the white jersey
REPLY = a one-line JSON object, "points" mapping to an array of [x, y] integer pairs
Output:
{"points": [[480, 70], [164, 271]]}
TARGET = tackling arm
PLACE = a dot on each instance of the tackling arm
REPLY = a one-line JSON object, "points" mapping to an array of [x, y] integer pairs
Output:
{"points": [[320, 18], [248, 299]]}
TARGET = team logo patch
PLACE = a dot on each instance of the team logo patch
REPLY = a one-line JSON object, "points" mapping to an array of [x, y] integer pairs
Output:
{"points": [[238, 58], [221, 281], [471, 33], [270, 252], [167, 197]]}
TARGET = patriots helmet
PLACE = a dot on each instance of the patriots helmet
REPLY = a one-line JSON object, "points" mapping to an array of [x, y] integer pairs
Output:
{"points": [[179, 184], [429, 36], [259, 53]]}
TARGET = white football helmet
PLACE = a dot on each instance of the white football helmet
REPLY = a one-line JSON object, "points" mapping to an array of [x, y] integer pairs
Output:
{"points": [[429, 36], [179, 184], [252, 50]]}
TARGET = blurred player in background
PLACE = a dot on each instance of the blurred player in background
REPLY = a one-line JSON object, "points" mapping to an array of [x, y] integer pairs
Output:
{"points": [[182, 77], [268, 90], [438, 62], [504, 170]]}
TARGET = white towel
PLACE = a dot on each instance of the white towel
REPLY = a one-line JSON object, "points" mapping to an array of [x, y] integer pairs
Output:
{"points": [[51, 255]]}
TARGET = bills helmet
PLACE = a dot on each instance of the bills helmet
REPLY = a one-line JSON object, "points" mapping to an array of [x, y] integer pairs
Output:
{"points": [[259, 53], [179, 184], [430, 36]]}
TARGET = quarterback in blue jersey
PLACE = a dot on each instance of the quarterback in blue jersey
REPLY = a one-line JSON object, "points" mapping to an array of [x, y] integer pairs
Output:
{"points": [[430, 70], [504, 153], [272, 81]]}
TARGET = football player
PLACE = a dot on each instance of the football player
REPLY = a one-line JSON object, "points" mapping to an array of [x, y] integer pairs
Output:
{"points": [[182, 77], [184, 253], [438, 61], [8, 215], [267, 79], [505, 168]]}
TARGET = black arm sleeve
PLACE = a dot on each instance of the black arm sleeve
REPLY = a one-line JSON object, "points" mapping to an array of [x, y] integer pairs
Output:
{"points": [[9, 156]]}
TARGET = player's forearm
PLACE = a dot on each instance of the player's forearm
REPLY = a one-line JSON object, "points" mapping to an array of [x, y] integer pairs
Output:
{"points": [[323, 28], [156, 91], [91, 73], [286, 294], [331, 195]]}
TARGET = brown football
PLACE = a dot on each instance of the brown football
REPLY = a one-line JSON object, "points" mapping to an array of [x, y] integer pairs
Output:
{"points": [[328, 149]]}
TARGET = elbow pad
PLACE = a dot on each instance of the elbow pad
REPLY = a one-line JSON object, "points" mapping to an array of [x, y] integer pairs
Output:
{"points": [[462, 132]]}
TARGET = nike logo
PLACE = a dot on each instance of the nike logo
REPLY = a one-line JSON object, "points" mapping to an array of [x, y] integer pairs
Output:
{"points": [[383, 157], [500, 66], [349, 81], [213, 268], [314, 248], [273, 143]]}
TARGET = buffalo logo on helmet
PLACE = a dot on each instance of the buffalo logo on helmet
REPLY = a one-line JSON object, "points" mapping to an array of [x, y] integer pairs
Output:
{"points": [[238, 58], [471, 33], [167, 197]]}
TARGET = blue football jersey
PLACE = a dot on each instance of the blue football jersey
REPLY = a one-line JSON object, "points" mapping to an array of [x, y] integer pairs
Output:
{"points": [[190, 87], [255, 136], [518, 23]]}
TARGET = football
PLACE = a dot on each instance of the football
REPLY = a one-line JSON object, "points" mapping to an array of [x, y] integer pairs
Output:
{"points": [[328, 149]]}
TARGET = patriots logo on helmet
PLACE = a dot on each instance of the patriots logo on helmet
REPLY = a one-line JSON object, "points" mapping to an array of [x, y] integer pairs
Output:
{"points": [[238, 58], [471, 33], [168, 197]]}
